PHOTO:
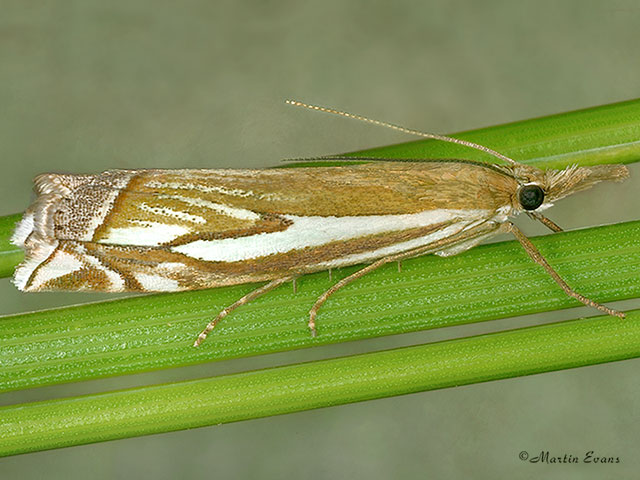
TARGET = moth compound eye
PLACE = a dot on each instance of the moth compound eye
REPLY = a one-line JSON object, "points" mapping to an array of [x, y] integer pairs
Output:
{"points": [[530, 196]]}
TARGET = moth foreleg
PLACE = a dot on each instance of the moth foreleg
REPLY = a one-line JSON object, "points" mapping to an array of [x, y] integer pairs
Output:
{"points": [[537, 257], [241, 301], [550, 224]]}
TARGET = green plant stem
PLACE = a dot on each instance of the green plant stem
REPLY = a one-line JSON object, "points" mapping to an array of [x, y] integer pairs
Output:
{"points": [[275, 391], [592, 136], [156, 331]]}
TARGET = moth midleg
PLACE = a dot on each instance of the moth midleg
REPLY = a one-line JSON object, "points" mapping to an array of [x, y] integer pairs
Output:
{"points": [[241, 301], [537, 257], [337, 286], [470, 234]]}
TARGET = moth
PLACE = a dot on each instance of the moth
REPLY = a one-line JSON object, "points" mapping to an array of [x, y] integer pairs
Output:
{"points": [[172, 230]]}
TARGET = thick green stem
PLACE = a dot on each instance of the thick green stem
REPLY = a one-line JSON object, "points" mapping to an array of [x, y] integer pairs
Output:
{"points": [[157, 331]]}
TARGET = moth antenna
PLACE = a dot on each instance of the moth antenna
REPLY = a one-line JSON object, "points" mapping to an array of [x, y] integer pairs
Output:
{"points": [[410, 131], [323, 158]]}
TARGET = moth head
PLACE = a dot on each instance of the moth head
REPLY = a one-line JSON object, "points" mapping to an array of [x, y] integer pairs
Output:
{"points": [[538, 189]]}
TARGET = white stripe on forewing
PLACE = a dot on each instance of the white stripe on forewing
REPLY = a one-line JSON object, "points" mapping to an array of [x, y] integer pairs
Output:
{"points": [[152, 234], [156, 283], [395, 248], [149, 234], [314, 231], [170, 212], [62, 263], [398, 247], [240, 213]]}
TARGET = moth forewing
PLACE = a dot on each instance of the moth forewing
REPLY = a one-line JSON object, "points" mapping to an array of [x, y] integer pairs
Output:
{"points": [[164, 230], [172, 230]]}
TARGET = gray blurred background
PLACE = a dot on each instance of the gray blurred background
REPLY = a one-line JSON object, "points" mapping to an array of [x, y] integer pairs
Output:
{"points": [[91, 85]]}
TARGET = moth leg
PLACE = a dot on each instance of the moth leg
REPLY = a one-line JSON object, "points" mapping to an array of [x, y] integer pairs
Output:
{"points": [[478, 232], [537, 257], [550, 224], [246, 299], [337, 286]]}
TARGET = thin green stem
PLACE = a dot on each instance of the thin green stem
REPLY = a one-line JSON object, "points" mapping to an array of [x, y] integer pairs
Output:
{"points": [[275, 391], [597, 135]]}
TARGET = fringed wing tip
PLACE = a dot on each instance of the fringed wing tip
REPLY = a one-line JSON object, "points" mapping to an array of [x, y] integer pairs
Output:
{"points": [[23, 230], [29, 236]]}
